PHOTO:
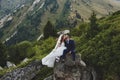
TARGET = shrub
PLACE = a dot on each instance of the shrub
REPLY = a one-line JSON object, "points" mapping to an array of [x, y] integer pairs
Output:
{"points": [[20, 51]]}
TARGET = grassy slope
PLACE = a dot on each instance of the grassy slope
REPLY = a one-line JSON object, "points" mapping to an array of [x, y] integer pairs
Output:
{"points": [[103, 50], [102, 8]]}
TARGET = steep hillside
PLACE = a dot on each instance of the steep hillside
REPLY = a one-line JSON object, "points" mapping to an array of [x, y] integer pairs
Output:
{"points": [[28, 22], [8, 6]]}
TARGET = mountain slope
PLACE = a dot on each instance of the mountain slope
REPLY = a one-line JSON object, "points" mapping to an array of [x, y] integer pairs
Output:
{"points": [[34, 19], [62, 13], [101, 51], [8, 6], [101, 7]]}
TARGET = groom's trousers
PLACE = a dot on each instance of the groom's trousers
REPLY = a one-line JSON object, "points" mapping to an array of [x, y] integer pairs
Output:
{"points": [[67, 51]]}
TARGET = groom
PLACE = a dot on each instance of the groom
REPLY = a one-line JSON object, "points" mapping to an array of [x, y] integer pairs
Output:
{"points": [[70, 45]]}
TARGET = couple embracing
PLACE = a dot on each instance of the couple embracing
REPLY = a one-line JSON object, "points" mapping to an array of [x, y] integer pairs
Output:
{"points": [[63, 46]]}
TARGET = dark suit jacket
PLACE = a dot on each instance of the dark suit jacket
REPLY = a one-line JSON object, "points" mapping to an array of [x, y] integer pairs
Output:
{"points": [[70, 46]]}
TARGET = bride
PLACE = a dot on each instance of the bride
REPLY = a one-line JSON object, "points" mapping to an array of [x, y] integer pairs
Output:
{"points": [[49, 60]]}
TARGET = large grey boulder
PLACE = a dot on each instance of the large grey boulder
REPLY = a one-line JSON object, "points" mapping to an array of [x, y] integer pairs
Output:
{"points": [[70, 70]]}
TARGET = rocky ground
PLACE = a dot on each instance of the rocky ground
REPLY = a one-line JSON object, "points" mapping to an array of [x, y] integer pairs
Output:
{"points": [[68, 70], [26, 73]]}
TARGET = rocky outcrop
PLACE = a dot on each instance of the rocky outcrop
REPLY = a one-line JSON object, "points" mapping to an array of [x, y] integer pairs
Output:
{"points": [[70, 70], [26, 73]]}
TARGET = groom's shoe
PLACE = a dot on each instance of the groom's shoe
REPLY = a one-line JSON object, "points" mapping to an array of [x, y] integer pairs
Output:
{"points": [[57, 59]]}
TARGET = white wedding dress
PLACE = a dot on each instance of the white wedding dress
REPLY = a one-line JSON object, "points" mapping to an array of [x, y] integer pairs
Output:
{"points": [[49, 60]]}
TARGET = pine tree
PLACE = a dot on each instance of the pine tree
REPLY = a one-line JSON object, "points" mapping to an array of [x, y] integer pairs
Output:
{"points": [[93, 29], [49, 30]]}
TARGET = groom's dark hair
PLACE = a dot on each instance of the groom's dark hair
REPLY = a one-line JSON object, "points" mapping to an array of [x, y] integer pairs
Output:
{"points": [[69, 35]]}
